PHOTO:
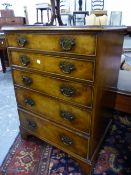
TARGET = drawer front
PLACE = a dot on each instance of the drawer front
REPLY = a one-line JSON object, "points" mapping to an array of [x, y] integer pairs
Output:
{"points": [[57, 111], [57, 135], [63, 89], [59, 65], [78, 43]]}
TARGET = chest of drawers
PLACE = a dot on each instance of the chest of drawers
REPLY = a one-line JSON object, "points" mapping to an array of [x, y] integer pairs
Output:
{"points": [[60, 77]]}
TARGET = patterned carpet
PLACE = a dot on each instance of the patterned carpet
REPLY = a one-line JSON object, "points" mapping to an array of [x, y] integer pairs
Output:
{"points": [[34, 157], [115, 156]]}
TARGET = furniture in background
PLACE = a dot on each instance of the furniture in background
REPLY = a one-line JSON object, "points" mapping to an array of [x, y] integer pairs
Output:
{"points": [[69, 18], [79, 12], [97, 8], [3, 52], [8, 18], [26, 15], [60, 84], [80, 5], [43, 7], [123, 99], [97, 4], [79, 17], [123, 91], [65, 13], [55, 16]]}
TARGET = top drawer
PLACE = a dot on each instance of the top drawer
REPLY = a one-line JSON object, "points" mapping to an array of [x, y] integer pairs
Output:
{"points": [[76, 44]]}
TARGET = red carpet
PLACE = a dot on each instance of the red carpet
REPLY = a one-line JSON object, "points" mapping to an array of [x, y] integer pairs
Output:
{"points": [[27, 157], [34, 157]]}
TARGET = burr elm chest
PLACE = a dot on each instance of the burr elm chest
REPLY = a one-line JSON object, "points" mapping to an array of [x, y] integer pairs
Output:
{"points": [[61, 76]]}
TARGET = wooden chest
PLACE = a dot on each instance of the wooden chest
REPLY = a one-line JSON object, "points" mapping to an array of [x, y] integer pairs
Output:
{"points": [[60, 77], [7, 21]]}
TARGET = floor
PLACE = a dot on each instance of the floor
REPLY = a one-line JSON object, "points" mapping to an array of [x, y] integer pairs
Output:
{"points": [[9, 123]]}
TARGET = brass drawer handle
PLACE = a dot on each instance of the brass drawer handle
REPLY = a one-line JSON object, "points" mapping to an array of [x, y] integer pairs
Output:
{"points": [[27, 80], [24, 60], [29, 102], [67, 91], [21, 41], [67, 115], [67, 67], [66, 140], [67, 43], [31, 124]]}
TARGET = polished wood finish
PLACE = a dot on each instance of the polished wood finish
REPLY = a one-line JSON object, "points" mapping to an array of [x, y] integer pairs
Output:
{"points": [[54, 133], [43, 91], [73, 117], [76, 92], [52, 42], [72, 67]]}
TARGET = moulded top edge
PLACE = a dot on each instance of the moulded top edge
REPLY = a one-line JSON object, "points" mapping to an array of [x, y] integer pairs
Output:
{"points": [[63, 28]]}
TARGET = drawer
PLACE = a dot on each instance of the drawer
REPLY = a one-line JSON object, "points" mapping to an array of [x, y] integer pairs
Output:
{"points": [[59, 65], [62, 113], [63, 89], [55, 134], [71, 43]]}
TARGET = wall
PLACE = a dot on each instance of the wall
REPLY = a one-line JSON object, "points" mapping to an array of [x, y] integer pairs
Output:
{"points": [[110, 5], [120, 5]]}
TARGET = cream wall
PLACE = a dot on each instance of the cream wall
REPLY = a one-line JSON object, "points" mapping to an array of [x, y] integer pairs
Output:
{"points": [[110, 5], [120, 5]]}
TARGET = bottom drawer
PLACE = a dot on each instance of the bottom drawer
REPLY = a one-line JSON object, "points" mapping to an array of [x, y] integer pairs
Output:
{"points": [[42, 128]]}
